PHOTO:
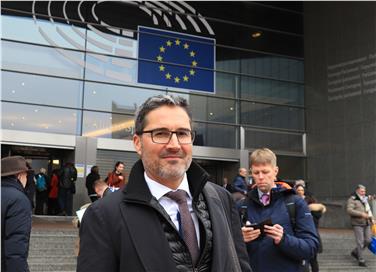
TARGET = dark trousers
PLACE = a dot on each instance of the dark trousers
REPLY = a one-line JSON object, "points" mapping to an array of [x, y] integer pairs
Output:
{"points": [[53, 206], [41, 199], [66, 201]]}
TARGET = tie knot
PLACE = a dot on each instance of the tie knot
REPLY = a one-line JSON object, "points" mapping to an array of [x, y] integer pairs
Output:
{"points": [[179, 196], [265, 198]]}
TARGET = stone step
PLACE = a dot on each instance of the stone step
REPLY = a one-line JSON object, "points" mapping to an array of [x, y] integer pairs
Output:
{"points": [[37, 267], [52, 259]]}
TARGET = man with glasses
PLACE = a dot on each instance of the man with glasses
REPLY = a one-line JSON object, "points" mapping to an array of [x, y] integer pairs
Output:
{"points": [[168, 217]]}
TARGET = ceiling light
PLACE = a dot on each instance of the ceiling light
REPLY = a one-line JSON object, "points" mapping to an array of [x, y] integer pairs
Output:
{"points": [[13, 91], [256, 34]]}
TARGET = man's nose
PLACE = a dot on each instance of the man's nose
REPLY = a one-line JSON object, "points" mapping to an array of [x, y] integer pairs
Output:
{"points": [[174, 142]]}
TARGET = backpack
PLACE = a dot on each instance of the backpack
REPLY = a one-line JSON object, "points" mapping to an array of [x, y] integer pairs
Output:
{"points": [[41, 183]]}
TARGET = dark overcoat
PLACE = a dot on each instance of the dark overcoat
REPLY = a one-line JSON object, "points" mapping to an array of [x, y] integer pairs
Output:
{"points": [[122, 232]]}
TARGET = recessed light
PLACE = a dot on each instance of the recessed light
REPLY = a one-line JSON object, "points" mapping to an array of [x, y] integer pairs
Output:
{"points": [[231, 108], [256, 34], [36, 110], [211, 114], [59, 121], [13, 91], [23, 117], [94, 92], [12, 124], [23, 83]]}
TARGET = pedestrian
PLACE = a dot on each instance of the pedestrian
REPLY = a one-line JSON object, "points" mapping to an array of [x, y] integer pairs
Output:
{"points": [[361, 220], [67, 188], [16, 214], [240, 184], [101, 188], [30, 184], [280, 233], [317, 210], [41, 186], [168, 217], [53, 192], [116, 178], [90, 179]]}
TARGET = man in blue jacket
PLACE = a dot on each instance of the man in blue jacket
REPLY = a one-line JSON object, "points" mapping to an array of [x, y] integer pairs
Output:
{"points": [[274, 243], [15, 215]]}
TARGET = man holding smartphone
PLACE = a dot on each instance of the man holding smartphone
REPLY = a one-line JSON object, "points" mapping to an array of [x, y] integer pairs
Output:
{"points": [[273, 233]]}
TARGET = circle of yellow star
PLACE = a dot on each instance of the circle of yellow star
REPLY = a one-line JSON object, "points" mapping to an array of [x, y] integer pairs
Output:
{"points": [[185, 78], [186, 46], [192, 53], [194, 63], [168, 43], [162, 49], [168, 76], [161, 68], [177, 42], [177, 79], [159, 58], [192, 72]]}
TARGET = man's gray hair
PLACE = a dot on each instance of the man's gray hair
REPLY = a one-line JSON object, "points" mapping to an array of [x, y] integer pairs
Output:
{"points": [[156, 102], [360, 186]]}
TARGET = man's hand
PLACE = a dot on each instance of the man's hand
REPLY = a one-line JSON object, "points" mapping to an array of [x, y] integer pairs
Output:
{"points": [[250, 234], [365, 215], [275, 232]]}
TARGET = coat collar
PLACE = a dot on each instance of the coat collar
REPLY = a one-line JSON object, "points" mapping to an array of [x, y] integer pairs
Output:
{"points": [[137, 189], [12, 181]]}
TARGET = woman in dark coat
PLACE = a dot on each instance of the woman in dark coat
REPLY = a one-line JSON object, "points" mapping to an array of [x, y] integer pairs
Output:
{"points": [[90, 179], [15, 215]]}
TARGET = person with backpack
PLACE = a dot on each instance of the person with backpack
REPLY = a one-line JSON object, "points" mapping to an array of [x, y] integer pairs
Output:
{"points": [[279, 231], [41, 191], [67, 187]]}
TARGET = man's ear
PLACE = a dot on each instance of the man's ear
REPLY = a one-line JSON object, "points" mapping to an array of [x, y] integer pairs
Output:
{"points": [[276, 169], [137, 143]]}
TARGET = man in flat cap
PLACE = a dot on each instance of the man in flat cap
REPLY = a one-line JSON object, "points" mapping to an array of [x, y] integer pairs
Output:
{"points": [[15, 215]]}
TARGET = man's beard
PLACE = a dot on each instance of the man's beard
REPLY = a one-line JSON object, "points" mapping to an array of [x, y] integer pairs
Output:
{"points": [[168, 170]]}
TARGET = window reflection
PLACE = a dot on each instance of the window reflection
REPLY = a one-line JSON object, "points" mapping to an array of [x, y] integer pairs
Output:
{"points": [[272, 91], [40, 119], [107, 125], [215, 135], [274, 140], [41, 32], [264, 115], [42, 60], [121, 99], [111, 69], [210, 108], [26, 88]]}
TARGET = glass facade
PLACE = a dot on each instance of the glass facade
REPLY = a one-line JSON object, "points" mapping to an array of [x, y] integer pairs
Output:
{"points": [[63, 72]]}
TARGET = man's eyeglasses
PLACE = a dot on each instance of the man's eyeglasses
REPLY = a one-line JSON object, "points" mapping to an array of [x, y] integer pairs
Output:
{"points": [[163, 136]]}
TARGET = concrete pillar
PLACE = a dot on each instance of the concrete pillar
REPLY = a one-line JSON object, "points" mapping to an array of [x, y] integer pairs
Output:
{"points": [[85, 157]]}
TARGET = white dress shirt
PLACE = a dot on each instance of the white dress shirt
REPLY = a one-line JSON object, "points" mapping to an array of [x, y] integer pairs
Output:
{"points": [[171, 207]]}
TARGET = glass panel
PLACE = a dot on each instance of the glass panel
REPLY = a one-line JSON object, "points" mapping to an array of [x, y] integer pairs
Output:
{"points": [[271, 91], [280, 141], [121, 99], [41, 90], [42, 32], [226, 84], [210, 108], [42, 60], [111, 69], [41, 119], [264, 115], [98, 41], [107, 125], [215, 135], [258, 64]]}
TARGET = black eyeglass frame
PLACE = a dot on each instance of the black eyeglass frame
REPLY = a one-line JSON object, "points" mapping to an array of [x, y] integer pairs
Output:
{"points": [[171, 133]]}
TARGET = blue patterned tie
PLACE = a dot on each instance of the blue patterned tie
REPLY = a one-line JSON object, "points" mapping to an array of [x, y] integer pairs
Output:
{"points": [[189, 231]]}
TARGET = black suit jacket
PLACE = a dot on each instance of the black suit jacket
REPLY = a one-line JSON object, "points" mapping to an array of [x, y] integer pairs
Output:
{"points": [[122, 232]]}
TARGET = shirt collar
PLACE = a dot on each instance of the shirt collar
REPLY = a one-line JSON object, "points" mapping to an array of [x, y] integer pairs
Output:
{"points": [[159, 190], [261, 193]]}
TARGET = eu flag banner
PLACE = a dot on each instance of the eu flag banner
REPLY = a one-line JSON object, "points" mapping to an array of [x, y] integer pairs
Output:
{"points": [[176, 60]]}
